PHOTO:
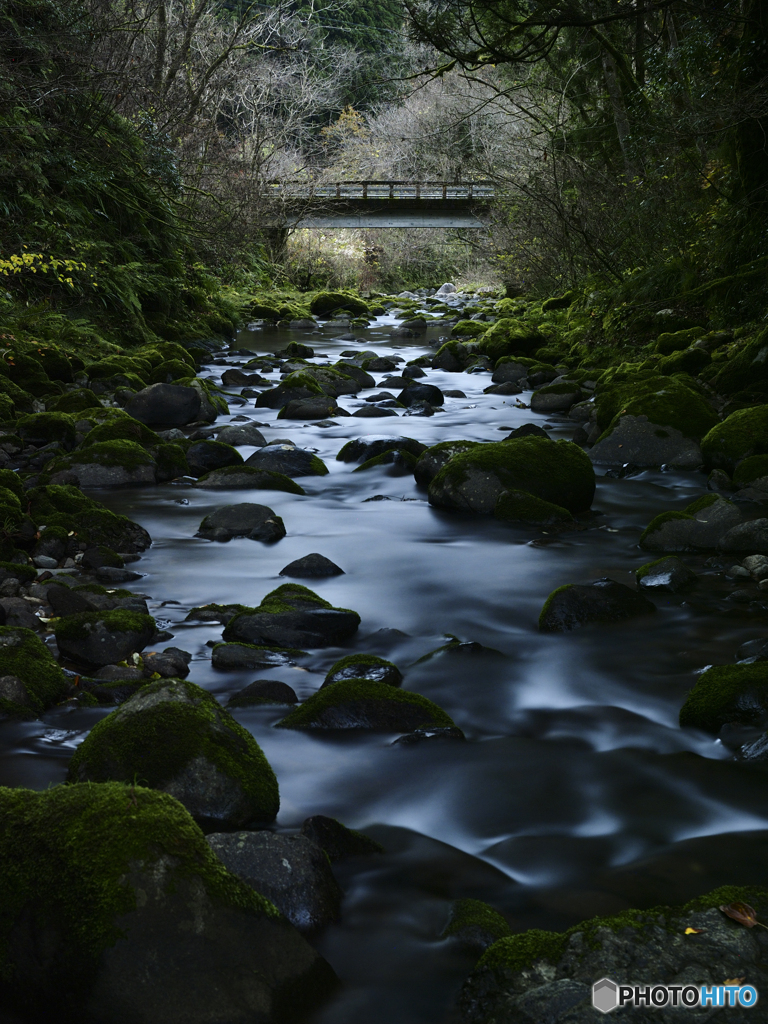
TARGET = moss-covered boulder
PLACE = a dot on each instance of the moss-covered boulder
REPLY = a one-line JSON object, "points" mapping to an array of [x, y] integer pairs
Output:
{"points": [[165, 405], [555, 397], [44, 427], [522, 507], [116, 909], [30, 678], [665, 574], [745, 369], [326, 303], [674, 402], [174, 736], [677, 341], [288, 460], [103, 637], [509, 337], [742, 434], [361, 449], [80, 400], [728, 693], [699, 527], [296, 386], [401, 463], [247, 478], [293, 616], [465, 329], [453, 356], [108, 464], [88, 520], [205, 456], [475, 924], [690, 360], [362, 704], [119, 426], [256, 522], [431, 461], [364, 666], [558, 472], [604, 601]]}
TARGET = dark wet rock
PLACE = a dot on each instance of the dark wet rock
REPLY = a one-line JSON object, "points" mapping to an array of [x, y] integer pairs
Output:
{"points": [[603, 601], [103, 638], [396, 382], [121, 912], [215, 612], [24, 656], [456, 648], [120, 673], [454, 393], [364, 666], [414, 372], [442, 732], [756, 566], [381, 396], [65, 601], [361, 449], [293, 616], [373, 412], [554, 471], [452, 356], [508, 388], [401, 463], [311, 565], [247, 478], [728, 694], [170, 663], [176, 737], [18, 612], [98, 556], [235, 378], [637, 439], [291, 871], [509, 372], [361, 704], [207, 456], [365, 380], [315, 408], [230, 656], [668, 574], [698, 528], [539, 976], [257, 522], [241, 434], [263, 691], [337, 840], [433, 459], [753, 650], [118, 463], [68, 508], [288, 460], [416, 393], [475, 924], [522, 507], [555, 397], [296, 387], [527, 430], [379, 364], [171, 405], [751, 536]]}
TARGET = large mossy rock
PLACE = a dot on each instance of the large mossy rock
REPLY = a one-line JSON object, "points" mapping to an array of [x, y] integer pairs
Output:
{"points": [[364, 666], [728, 693], [109, 464], [67, 507], [256, 522], [603, 601], [292, 617], [30, 678], [431, 461], [363, 449], [745, 369], [509, 337], [744, 433], [288, 460], [557, 472], [325, 303], [174, 736], [699, 527], [539, 976], [103, 637], [295, 387], [247, 478], [116, 911], [169, 405], [362, 704]]}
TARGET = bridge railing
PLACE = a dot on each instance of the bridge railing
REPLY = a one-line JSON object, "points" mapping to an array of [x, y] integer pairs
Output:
{"points": [[387, 190]]}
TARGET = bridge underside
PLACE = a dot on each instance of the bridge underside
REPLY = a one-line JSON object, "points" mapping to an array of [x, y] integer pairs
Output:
{"points": [[398, 213]]}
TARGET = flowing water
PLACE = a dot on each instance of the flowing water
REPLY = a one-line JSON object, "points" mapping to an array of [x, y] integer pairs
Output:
{"points": [[576, 792]]}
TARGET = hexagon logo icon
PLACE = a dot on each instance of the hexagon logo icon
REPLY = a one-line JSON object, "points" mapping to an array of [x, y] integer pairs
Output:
{"points": [[605, 995]]}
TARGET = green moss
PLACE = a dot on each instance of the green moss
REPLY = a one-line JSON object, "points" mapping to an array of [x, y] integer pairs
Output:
{"points": [[355, 690], [455, 351], [510, 337], [745, 367], [171, 461], [362, 664], [218, 609], [522, 507], [74, 629], [468, 329], [150, 743], [68, 507], [333, 302], [301, 379], [277, 601], [121, 427], [691, 360], [742, 434], [703, 502], [74, 402], [516, 952], [169, 370], [468, 916], [753, 468], [10, 481], [103, 369], [258, 479], [25, 655], [557, 302], [563, 388], [24, 573], [48, 426], [677, 341], [126, 454], [21, 399], [65, 854], [658, 522], [406, 460], [555, 593], [726, 692], [666, 401]]}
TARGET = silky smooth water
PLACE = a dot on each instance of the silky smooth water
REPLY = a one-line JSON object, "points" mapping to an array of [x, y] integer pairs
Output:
{"points": [[576, 792]]}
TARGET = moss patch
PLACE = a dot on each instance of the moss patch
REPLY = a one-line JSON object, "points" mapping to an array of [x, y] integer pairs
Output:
{"points": [[24, 654], [258, 479], [357, 693], [750, 469], [743, 434], [67, 507], [470, 917], [522, 507], [365, 666], [725, 693]]}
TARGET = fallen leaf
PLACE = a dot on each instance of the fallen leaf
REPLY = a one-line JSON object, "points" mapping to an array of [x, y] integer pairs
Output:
{"points": [[693, 931], [735, 981], [743, 913]]}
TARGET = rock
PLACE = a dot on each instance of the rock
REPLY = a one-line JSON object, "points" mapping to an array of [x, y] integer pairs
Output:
{"points": [[207, 456], [757, 566], [508, 388], [539, 976], [24, 657], [263, 691], [360, 704], [527, 430], [381, 364], [288, 460], [454, 393], [475, 924], [554, 471], [401, 463], [295, 387], [522, 507], [508, 371], [444, 289], [636, 439], [121, 912], [740, 436], [291, 871], [604, 601], [364, 666], [442, 732], [416, 393], [45, 562], [18, 612], [555, 398], [698, 528], [247, 478], [236, 656], [728, 694], [170, 663], [373, 411], [170, 405], [413, 372], [668, 574], [750, 536], [361, 449], [337, 840], [311, 565], [64, 601], [257, 522], [110, 464], [453, 356], [310, 409], [237, 379], [174, 736], [293, 616], [432, 460], [667, 402], [241, 434], [98, 556], [103, 637]]}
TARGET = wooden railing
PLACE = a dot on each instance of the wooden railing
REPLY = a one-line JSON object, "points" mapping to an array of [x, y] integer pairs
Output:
{"points": [[387, 190]]}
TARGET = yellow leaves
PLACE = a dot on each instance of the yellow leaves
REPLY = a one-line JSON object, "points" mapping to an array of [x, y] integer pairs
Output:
{"points": [[693, 931]]}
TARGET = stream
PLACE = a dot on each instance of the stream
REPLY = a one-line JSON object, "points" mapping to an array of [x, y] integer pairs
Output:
{"points": [[576, 793]]}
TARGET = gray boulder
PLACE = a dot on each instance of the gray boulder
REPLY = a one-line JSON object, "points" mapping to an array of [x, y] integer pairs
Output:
{"points": [[751, 536], [636, 439], [361, 449], [288, 460], [232, 656], [509, 373], [103, 638], [604, 601], [668, 574], [170, 663], [170, 405], [257, 522], [291, 871], [421, 393], [555, 398], [314, 564], [695, 529], [237, 434], [263, 691], [293, 616], [311, 408]]}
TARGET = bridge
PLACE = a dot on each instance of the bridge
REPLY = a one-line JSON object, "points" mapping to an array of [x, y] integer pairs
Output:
{"points": [[383, 204]]}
